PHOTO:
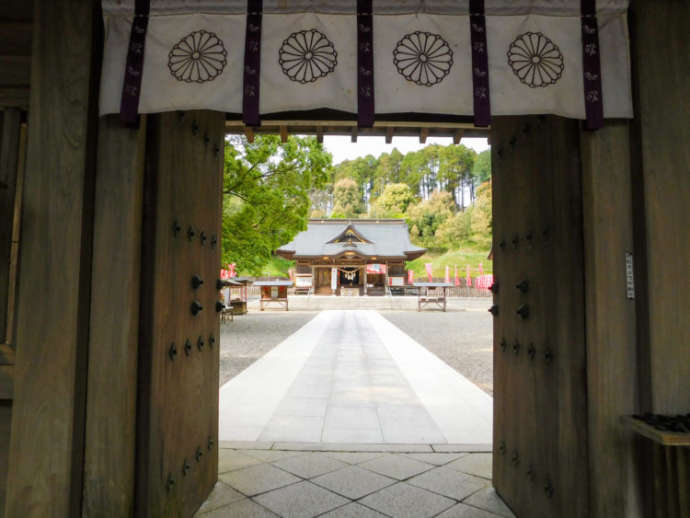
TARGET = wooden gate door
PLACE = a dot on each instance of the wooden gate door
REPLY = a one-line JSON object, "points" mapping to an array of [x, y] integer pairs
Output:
{"points": [[540, 414], [177, 414]]}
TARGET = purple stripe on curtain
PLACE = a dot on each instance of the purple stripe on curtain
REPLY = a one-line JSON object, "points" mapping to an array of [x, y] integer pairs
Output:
{"points": [[480, 65], [365, 64], [591, 66], [134, 66], [252, 64]]}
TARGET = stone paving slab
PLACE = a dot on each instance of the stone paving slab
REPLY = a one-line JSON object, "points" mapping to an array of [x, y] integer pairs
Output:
{"points": [[353, 482], [258, 479], [344, 484], [478, 464], [302, 500], [242, 509], [395, 466], [405, 501], [309, 465], [488, 500], [353, 510], [448, 482]]}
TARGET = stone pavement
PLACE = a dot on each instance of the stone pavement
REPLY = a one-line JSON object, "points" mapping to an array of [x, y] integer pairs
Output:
{"points": [[350, 376], [268, 482]]}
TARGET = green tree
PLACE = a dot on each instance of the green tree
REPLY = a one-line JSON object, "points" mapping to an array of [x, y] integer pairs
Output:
{"points": [[394, 201], [347, 202], [472, 226], [425, 218], [455, 171], [482, 167], [266, 188]]}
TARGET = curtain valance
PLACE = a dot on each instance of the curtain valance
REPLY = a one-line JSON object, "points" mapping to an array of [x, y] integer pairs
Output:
{"points": [[440, 57]]}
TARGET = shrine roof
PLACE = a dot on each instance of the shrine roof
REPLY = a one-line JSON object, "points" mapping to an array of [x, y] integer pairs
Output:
{"points": [[364, 237]]}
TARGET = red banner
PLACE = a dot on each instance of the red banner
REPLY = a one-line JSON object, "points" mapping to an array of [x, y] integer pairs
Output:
{"points": [[410, 276], [429, 271], [484, 282], [457, 278]]}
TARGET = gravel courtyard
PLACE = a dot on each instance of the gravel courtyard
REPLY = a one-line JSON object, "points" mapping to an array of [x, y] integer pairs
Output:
{"points": [[462, 339]]}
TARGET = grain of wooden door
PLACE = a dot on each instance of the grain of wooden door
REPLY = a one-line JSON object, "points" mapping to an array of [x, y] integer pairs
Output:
{"points": [[540, 414], [177, 415]]}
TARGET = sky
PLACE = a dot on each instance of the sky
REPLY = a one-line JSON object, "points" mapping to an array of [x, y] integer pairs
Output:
{"points": [[343, 149]]}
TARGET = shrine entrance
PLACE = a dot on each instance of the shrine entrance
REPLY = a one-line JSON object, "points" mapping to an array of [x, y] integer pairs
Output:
{"points": [[108, 393]]}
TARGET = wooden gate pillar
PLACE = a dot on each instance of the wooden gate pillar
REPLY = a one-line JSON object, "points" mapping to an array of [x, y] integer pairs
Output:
{"points": [[610, 318], [661, 196], [109, 457], [46, 447]]}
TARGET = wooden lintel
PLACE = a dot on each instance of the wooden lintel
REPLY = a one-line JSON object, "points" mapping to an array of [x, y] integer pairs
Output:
{"points": [[389, 135], [458, 136], [249, 133], [283, 134], [423, 134], [319, 134], [353, 136]]}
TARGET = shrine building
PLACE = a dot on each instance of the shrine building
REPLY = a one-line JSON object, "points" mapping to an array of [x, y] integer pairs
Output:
{"points": [[351, 256]]}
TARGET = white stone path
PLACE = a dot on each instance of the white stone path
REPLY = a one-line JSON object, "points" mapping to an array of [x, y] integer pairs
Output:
{"points": [[353, 377]]}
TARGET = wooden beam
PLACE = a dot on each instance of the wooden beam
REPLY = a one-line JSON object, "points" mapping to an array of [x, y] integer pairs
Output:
{"points": [[650, 432], [423, 134], [319, 134], [9, 162], [458, 136], [16, 237], [14, 97], [7, 356], [353, 136], [47, 438], [249, 133], [6, 383], [283, 134], [389, 135], [113, 338]]}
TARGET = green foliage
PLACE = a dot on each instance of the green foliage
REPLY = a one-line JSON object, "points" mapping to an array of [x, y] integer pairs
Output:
{"points": [[482, 167], [426, 217], [394, 201], [347, 201], [471, 226], [266, 195], [470, 255]]}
